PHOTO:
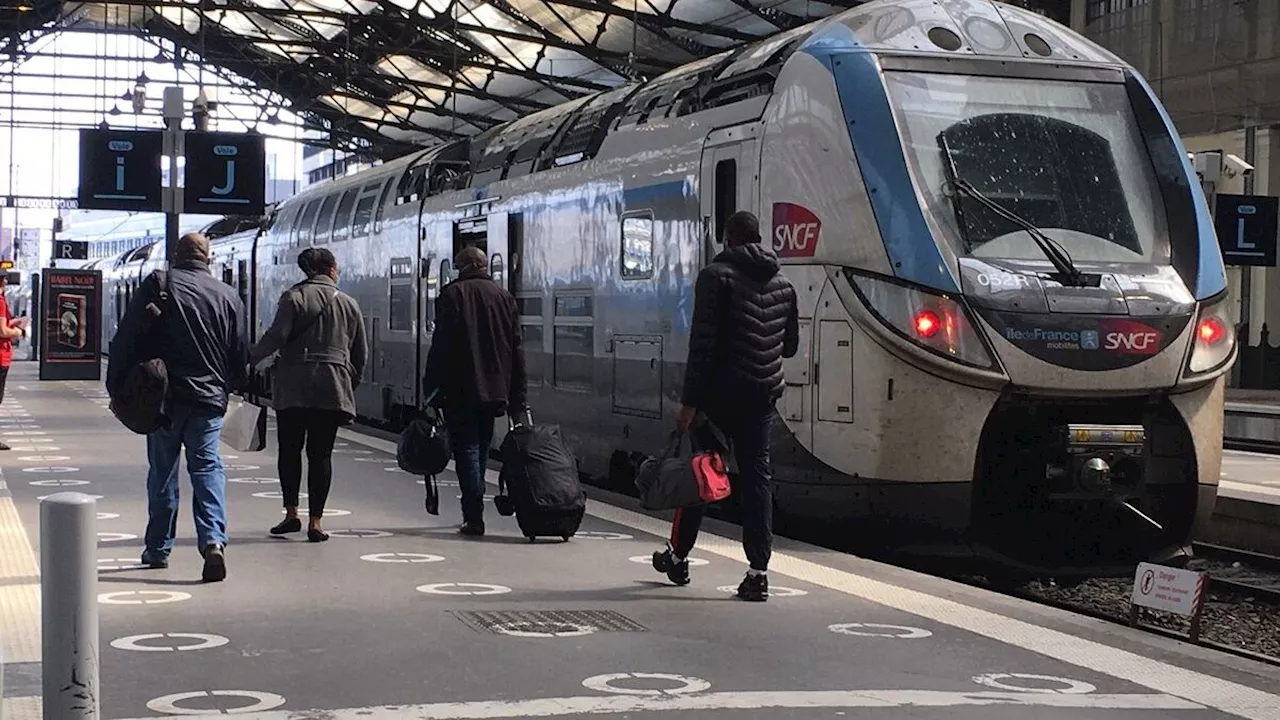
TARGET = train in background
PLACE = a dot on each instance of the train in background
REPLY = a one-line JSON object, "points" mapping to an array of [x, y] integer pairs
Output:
{"points": [[1014, 319]]}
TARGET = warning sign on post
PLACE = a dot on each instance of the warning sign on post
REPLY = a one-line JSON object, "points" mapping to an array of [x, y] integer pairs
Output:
{"points": [[1169, 589]]}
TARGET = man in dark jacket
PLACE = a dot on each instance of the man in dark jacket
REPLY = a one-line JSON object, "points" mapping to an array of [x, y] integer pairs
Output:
{"points": [[745, 321], [203, 339], [476, 371]]}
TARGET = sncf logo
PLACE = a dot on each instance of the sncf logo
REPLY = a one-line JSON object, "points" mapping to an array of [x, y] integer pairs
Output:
{"points": [[1130, 338], [795, 230]]}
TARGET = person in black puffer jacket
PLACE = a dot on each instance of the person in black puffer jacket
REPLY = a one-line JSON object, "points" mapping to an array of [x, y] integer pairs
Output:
{"points": [[745, 321]]}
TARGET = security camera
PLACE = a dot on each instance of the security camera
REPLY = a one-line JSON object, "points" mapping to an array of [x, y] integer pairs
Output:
{"points": [[1236, 165]]}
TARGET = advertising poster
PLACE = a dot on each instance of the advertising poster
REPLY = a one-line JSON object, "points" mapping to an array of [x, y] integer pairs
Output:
{"points": [[71, 316]]}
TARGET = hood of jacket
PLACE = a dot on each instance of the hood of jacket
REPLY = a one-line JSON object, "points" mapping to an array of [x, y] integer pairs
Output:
{"points": [[754, 259]]}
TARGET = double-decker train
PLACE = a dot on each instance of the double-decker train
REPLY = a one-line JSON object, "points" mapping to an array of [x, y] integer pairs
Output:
{"points": [[1014, 327]]}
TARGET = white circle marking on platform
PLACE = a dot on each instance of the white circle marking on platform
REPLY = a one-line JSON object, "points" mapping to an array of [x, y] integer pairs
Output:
{"points": [[900, 632], [34, 448], [120, 564], [340, 443], [327, 512], [230, 457], [60, 482], [115, 537], [553, 629], [440, 483], [24, 433], [401, 557], [603, 535], [24, 426], [275, 495], [169, 703], [604, 683], [241, 467], [254, 480], [38, 440], [461, 589], [134, 642], [51, 469], [648, 559], [385, 461], [1073, 687], [360, 534], [107, 516], [44, 458], [137, 597], [393, 468], [774, 591]]}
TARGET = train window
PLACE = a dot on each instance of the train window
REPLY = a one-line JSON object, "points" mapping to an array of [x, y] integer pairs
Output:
{"points": [[446, 273], [574, 352], [382, 204], [228, 276], [726, 200], [533, 343], [400, 319], [577, 306], [364, 216], [530, 306], [242, 284], [303, 238], [324, 221], [496, 270], [637, 246], [342, 219]]}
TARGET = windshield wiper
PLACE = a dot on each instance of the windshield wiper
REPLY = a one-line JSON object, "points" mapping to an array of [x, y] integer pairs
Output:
{"points": [[1070, 275]]}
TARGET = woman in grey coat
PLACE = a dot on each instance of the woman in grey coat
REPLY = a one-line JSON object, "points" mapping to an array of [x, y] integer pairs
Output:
{"points": [[319, 333]]}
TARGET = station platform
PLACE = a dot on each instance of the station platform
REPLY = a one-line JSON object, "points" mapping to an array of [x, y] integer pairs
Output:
{"points": [[398, 617]]}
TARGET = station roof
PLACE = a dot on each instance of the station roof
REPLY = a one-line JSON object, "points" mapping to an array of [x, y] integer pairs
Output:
{"points": [[388, 75]]}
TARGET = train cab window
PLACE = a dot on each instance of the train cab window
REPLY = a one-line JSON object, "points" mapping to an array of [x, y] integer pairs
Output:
{"points": [[726, 199], [342, 218], [324, 221], [637, 246], [303, 238]]}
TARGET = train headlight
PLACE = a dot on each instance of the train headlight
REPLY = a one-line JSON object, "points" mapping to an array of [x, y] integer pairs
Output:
{"points": [[930, 320], [1215, 338]]}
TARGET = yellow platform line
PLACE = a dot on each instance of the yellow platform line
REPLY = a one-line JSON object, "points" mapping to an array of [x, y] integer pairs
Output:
{"points": [[19, 589]]}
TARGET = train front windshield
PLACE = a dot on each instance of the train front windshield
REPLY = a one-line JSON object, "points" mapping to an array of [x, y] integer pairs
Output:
{"points": [[1068, 157]]}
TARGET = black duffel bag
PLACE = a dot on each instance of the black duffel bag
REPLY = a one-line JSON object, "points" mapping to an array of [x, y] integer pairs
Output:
{"points": [[423, 448]]}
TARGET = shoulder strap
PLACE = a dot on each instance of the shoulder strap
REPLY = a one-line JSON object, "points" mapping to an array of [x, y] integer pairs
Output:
{"points": [[299, 330]]}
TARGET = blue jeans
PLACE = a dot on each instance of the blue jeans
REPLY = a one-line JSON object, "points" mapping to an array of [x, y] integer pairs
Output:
{"points": [[470, 433], [197, 427]]}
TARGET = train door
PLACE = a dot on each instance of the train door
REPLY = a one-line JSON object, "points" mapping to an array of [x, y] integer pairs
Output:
{"points": [[730, 171]]}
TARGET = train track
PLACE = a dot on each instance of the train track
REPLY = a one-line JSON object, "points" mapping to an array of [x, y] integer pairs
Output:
{"points": [[1247, 572]]}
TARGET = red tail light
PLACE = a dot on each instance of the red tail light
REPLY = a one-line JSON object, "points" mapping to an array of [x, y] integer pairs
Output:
{"points": [[1211, 331], [927, 323]]}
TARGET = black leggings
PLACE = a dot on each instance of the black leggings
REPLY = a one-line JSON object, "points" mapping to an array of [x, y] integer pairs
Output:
{"points": [[316, 429]]}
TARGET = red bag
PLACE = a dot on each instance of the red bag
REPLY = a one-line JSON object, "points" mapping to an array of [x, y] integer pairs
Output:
{"points": [[713, 480]]}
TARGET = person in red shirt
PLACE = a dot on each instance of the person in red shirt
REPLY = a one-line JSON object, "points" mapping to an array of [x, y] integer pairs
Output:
{"points": [[10, 328]]}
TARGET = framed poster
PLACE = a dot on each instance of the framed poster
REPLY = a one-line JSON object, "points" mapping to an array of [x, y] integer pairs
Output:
{"points": [[71, 320]]}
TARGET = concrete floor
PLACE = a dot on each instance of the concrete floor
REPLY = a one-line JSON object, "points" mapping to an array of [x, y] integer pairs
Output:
{"points": [[374, 624]]}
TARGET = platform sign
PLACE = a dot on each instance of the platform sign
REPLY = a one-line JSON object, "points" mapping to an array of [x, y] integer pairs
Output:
{"points": [[1247, 227], [71, 320], [226, 173], [120, 170], [70, 250]]}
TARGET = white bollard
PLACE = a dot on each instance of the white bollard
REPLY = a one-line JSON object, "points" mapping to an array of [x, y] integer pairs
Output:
{"points": [[69, 606]]}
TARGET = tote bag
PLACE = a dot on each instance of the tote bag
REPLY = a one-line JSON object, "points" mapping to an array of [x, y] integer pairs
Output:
{"points": [[245, 426]]}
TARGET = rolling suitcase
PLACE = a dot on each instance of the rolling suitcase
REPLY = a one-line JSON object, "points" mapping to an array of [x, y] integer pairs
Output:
{"points": [[539, 483]]}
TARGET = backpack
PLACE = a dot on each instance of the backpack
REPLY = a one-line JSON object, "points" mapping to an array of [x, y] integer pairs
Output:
{"points": [[138, 402]]}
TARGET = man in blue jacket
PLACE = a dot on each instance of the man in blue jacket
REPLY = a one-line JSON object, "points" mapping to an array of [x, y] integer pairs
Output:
{"points": [[203, 339]]}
